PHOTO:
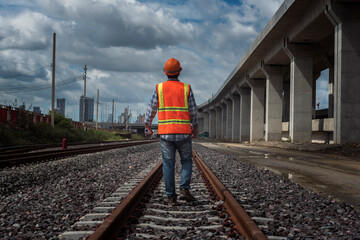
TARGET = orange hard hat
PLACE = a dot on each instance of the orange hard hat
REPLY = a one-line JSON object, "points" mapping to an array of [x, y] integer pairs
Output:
{"points": [[172, 67]]}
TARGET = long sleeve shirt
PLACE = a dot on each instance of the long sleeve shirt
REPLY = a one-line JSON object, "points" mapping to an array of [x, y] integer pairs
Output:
{"points": [[154, 105]]}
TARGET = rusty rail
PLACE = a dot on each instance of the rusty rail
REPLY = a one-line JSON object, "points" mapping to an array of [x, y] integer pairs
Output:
{"points": [[243, 223], [19, 158], [118, 219], [34, 147]]}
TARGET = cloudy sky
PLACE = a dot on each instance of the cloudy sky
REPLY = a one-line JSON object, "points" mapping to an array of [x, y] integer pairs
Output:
{"points": [[124, 44]]}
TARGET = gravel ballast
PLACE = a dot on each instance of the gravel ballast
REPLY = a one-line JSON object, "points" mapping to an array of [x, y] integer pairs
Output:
{"points": [[40, 201], [297, 212]]}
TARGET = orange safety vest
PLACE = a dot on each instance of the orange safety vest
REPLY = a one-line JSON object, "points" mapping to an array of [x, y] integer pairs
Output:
{"points": [[173, 112]]}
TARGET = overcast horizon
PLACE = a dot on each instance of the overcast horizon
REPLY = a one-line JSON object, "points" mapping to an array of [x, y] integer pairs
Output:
{"points": [[124, 44]]}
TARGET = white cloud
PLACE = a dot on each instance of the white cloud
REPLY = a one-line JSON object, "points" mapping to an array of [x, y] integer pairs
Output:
{"points": [[124, 44], [120, 23], [25, 31]]}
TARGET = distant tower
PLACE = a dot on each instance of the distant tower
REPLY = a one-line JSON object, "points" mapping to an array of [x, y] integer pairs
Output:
{"points": [[122, 118], [60, 104], [109, 118], [141, 119], [89, 109]]}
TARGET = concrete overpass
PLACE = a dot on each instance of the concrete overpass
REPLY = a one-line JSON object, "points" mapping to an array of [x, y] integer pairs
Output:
{"points": [[271, 92]]}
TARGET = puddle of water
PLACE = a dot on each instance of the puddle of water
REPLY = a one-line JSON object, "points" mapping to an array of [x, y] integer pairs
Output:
{"points": [[283, 173], [269, 155], [258, 153]]}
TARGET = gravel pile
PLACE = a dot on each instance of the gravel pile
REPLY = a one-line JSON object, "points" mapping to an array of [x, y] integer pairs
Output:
{"points": [[297, 212], [40, 201]]}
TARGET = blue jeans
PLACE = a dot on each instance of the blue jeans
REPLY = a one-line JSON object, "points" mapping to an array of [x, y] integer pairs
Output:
{"points": [[168, 150]]}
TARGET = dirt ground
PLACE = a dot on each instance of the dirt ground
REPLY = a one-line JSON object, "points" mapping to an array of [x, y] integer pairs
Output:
{"points": [[340, 150], [348, 150], [330, 170]]}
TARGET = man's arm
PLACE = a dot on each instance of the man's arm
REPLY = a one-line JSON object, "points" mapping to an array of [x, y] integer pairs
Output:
{"points": [[193, 114], [151, 110]]}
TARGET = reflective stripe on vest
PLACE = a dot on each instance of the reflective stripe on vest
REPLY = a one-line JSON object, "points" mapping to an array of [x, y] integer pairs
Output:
{"points": [[173, 114]]}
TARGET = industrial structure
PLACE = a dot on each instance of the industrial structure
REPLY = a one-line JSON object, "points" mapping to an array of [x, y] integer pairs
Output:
{"points": [[89, 109], [270, 94], [60, 104], [140, 119]]}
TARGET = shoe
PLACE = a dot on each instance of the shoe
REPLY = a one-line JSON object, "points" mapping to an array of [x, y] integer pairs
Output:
{"points": [[171, 200], [186, 195]]}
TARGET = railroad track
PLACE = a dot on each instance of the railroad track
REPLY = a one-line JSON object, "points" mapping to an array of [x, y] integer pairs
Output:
{"points": [[137, 211], [36, 147], [21, 157]]}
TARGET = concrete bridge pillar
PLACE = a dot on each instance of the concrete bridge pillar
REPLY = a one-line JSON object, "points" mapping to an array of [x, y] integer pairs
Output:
{"points": [[223, 120], [200, 117], [301, 83], [206, 121], [274, 87], [245, 109], [218, 121], [212, 123], [235, 133], [257, 109], [229, 118], [286, 100], [345, 18]]}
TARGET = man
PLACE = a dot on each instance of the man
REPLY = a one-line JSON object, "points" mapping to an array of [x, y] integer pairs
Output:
{"points": [[177, 123]]}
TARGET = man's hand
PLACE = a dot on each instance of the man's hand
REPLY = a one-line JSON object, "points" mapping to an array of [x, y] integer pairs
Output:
{"points": [[194, 131], [148, 132]]}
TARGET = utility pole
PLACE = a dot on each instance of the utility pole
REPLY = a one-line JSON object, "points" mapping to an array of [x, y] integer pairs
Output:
{"points": [[126, 115], [97, 109], [130, 122], [84, 100], [53, 84], [112, 116]]}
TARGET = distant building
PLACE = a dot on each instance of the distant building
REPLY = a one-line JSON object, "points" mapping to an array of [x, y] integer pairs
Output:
{"points": [[109, 118], [126, 115], [121, 118], [89, 109], [60, 104], [36, 110], [58, 111], [140, 119]]}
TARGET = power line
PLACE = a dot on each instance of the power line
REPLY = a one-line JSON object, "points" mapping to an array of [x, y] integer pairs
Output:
{"points": [[35, 87], [24, 74], [24, 63], [32, 85], [68, 86]]}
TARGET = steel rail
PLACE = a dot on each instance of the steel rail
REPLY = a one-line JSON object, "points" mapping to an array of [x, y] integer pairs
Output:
{"points": [[243, 223], [27, 148], [118, 219], [38, 156]]}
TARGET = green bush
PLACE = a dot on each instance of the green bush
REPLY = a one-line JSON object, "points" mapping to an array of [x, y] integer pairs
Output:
{"points": [[44, 133]]}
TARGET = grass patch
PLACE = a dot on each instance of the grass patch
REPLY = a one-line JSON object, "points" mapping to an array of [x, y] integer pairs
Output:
{"points": [[29, 133]]}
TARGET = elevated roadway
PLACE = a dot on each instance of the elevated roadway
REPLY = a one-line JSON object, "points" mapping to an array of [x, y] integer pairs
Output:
{"points": [[271, 92]]}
